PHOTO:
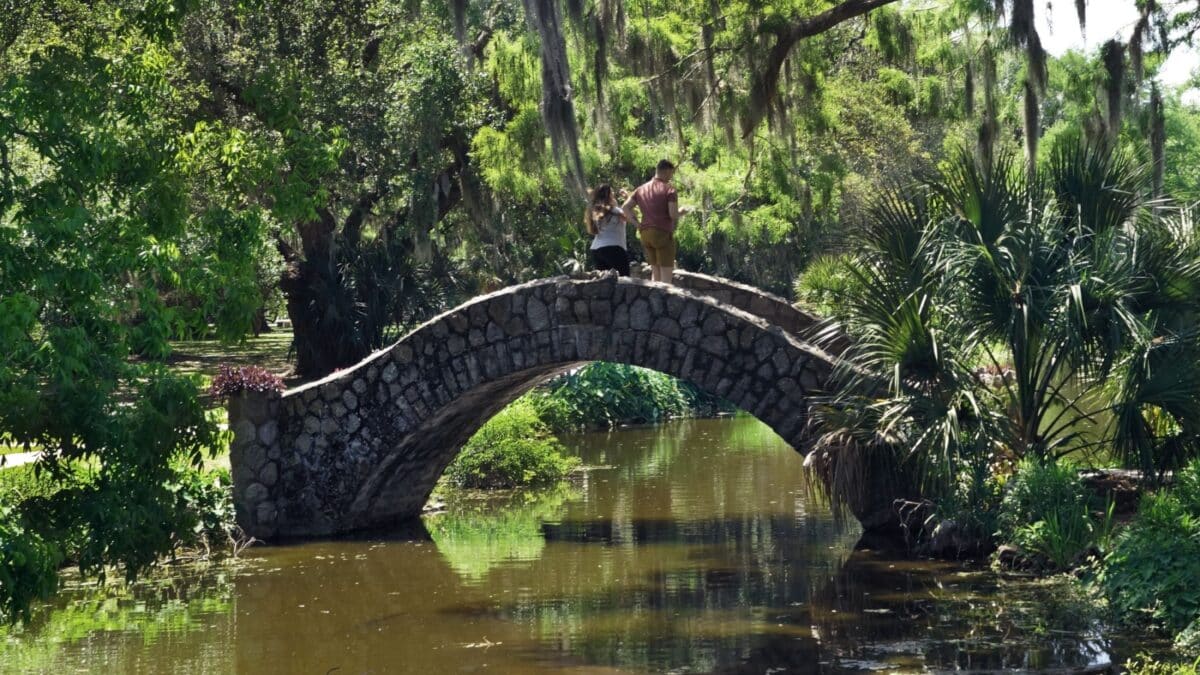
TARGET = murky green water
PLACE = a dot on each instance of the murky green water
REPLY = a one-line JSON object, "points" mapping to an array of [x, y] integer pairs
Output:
{"points": [[693, 547]]}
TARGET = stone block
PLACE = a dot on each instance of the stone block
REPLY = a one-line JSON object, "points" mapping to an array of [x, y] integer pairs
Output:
{"points": [[329, 426], [494, 333], [667, 327], [781, 361], [582, 311], [690, 314], [266, 514], [402, 354], [764, 347], [390, 372], [267, 432], [268, 475], [516, 326], [254, 456], [658, 305], [640, 315], [601, 288], [244, 432], [537, 314], [255, 493], [714, 324], [458, 323], [498, 309], [477, 314], [674, 306], [601, 312], [620, 318], [350, 400], [715, 345]]}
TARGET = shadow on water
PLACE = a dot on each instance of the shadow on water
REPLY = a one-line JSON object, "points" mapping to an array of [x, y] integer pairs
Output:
{"points": [[691, 547]]}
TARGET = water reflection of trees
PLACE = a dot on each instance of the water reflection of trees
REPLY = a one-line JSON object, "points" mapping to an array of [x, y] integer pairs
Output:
{"points": [[475, 536], [184, 619]]}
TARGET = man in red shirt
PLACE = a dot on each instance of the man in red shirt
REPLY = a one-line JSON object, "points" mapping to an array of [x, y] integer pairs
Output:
{"points": [[658, 204]]}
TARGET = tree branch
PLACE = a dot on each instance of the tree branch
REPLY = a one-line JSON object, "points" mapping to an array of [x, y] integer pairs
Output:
{"points": [[765, 85]]}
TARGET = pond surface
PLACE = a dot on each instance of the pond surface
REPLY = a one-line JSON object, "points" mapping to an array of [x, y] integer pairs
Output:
{"points": [[695, 546]]}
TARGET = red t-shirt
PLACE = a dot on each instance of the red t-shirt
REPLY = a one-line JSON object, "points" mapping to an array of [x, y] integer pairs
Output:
{"points": [[653, 198]]}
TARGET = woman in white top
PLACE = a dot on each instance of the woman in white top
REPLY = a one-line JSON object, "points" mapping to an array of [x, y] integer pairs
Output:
{"points": [[606, 222]]}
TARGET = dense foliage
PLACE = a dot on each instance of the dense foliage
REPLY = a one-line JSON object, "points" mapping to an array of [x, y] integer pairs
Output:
{"points": [[601, 395], [1072, 287], [104, 217], [1150, 574], [168, 168], [1048, 512], [513, 449]]}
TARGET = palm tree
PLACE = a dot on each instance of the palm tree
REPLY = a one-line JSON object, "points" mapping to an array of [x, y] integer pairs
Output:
{"points": [[1072, 284]]}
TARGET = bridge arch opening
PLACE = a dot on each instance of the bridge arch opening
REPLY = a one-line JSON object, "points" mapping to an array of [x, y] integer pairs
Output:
{"points": [[365, 446]]}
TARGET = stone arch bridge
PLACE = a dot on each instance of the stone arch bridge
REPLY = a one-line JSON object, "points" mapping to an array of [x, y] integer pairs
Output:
{"points": [[364, 446]]}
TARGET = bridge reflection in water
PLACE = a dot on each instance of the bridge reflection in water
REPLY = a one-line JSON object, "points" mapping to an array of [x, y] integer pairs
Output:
{"points": [[691, 547]]}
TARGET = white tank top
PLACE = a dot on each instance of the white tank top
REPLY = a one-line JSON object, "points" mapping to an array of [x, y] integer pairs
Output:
{"points": [[610, 230]]}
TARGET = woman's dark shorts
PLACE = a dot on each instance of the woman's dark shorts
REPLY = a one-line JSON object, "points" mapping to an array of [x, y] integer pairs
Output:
{"points": [[611, 258]]}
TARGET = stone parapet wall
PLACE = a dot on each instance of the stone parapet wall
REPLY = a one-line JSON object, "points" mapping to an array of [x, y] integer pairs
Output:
{"points": [[764, 305]]}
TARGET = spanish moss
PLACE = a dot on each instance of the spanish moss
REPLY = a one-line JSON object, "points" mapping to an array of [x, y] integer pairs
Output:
{"points": [[1158, 138], [1113, 56], [558, 107], [1032, 128]]}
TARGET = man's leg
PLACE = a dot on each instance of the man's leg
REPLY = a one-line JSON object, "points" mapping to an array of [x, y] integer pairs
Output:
{"points": [[655, 273], [647, 237], [666, 259]]}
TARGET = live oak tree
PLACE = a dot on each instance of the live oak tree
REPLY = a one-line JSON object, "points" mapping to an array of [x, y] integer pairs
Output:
{"points": [[101, 155]]}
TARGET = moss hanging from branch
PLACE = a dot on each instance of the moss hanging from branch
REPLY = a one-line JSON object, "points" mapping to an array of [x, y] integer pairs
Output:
{"points": [[989, 126], [558, 107], [1032, 130], [969, 90], [1113, 56], [1158, 138], [458, 8], [765, 82], [607, 23]]}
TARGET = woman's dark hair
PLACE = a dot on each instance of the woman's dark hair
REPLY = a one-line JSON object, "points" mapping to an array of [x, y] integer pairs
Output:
{"points": [[598, 208]]}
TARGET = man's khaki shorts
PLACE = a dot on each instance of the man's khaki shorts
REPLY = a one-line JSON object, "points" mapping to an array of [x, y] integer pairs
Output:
{"points": [[659, 245]]}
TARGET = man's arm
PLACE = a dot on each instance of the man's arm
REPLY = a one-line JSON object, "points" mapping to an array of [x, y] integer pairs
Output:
{"points": [[628, 206]]}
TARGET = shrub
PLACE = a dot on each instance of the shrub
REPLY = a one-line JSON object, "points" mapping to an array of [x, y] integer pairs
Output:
{"points": [[602, 394], [1150, 576], [1144, 664], [28, 566], [514, 449], [825, 283], [1047, 511], [231, 380]]}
